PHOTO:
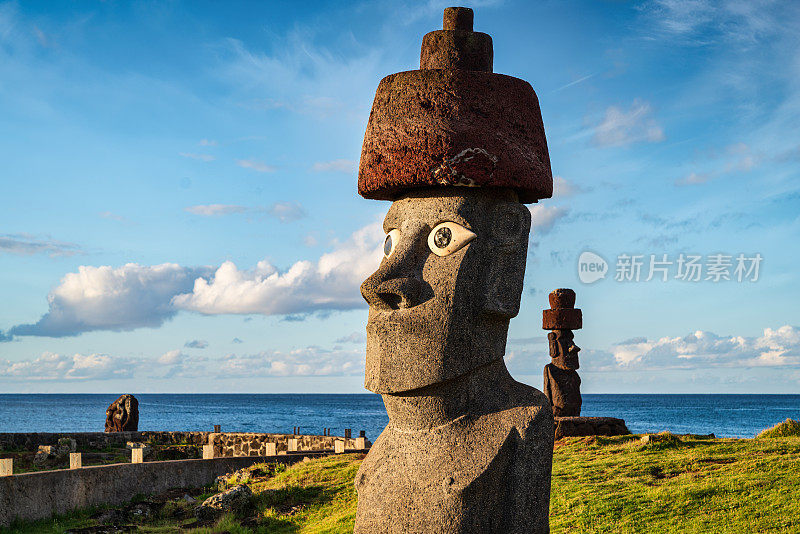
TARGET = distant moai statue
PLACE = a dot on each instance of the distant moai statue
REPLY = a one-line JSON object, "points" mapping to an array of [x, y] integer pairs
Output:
{"points": [[459, 150], [123, 415], [562, 385]]}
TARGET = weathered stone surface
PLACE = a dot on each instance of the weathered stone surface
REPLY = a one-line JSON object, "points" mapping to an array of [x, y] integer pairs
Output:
{"points": [[589, 426], [123, 415], [235, 499], [456, 46], [455, 123], [563, 388], [435, 343], [431, 318]]}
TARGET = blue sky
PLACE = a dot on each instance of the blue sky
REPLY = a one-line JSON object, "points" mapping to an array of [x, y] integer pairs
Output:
{"points": [[179, 209]]}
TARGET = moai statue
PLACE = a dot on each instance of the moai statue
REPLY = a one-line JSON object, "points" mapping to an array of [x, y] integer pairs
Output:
{"points": [[123, 415], [458, 150], [562, 385]]}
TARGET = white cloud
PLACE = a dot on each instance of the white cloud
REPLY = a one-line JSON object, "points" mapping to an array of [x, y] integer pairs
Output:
{"points": [[196, 344], [213, 210], [51, 366], [255, 165], [207, 142], [621, 128], [107, 298], [339, 165], [201, 157], [135, 296], [563, 188], [172, 357], [308, 361], [774, 348], [330, 284], [543, 218], [27, 245]]}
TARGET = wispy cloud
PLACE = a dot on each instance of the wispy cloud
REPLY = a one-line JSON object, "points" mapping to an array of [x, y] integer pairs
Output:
{"points": [[196, 344], [338, 165], [215, 210], [201, 157], [28, 245], [287, 211], [257, 166], [207, 142], [112, 216], [575, 82], [283, 211], [621, 127]]}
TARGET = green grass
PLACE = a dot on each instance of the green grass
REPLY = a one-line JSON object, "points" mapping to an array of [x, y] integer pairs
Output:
{"points": [[788, 428], [621, 485]]}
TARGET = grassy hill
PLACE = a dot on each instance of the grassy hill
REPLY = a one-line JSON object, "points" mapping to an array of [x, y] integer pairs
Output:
{"points": [[662, 483]]}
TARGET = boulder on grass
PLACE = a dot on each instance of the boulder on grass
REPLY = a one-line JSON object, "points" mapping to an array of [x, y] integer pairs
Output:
{"points": [[236, 499]]}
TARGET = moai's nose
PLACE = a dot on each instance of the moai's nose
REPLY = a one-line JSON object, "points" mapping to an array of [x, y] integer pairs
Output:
{"points": [[574, 349], [397, 283]]}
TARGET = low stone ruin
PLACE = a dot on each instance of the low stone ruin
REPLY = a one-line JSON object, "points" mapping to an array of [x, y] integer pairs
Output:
{"points": [[123, 415]]}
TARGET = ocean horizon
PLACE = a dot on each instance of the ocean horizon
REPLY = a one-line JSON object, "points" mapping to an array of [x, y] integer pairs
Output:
{"points": [[724, 415]]}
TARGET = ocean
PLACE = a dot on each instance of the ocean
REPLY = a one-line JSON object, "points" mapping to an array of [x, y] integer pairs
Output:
{"points": [[722, 415]]}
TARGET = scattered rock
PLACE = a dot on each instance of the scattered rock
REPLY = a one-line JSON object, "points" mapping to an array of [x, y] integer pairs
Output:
{"points": [[66, 446], [666, 438], [45, 453], [188, 498], [236, 499]]}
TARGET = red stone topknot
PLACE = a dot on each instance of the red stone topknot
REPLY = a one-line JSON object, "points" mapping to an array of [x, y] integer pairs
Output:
{"points": [[455, 123]]}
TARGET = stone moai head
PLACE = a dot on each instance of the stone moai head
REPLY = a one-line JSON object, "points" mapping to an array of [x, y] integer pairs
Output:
{"points": [[562, 318], [458, 150]]}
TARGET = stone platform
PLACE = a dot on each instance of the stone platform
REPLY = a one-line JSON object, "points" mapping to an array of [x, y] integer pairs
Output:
{"points": [[590, 426]]}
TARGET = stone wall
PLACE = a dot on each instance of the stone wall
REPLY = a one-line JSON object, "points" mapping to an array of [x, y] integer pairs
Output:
{"points": [[99, 440], [253, 444], [225, 444], [40, 495], [589, 426]]}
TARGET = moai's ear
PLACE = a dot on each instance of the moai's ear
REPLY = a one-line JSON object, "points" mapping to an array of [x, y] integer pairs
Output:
{"points": [[553, 342], [511, 225]]}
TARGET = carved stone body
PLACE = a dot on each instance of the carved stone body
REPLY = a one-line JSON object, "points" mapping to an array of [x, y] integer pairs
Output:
{"points": [[123, 415], [467, 448], [486, 470], [563, 388]]}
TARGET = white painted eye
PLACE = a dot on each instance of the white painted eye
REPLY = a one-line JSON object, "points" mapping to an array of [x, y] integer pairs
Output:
{"points": [[447, 237], [391, 242]]}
